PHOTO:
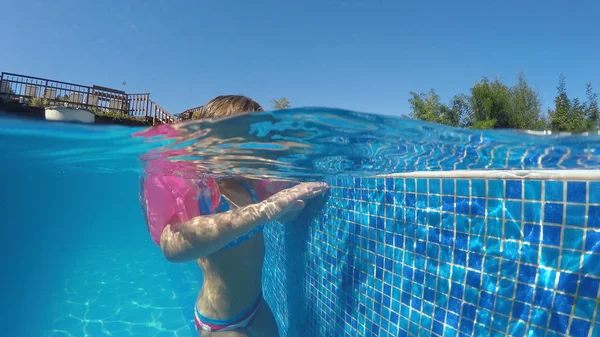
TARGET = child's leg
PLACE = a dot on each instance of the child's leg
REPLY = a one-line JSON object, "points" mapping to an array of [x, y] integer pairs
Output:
{"points": [[264, 324]]}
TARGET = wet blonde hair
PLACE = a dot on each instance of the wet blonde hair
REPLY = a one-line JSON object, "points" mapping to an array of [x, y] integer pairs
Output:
{"points": [[228, 105]]}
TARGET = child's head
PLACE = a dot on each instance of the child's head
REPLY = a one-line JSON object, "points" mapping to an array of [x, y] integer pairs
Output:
{"points": [[228, 105]]}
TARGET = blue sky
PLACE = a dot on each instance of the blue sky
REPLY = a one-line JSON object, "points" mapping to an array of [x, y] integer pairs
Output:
{"points": [[359, 55]]}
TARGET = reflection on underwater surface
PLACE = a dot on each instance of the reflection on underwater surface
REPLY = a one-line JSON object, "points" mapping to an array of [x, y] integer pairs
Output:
{"points": [[315, 143], [306, 144]]}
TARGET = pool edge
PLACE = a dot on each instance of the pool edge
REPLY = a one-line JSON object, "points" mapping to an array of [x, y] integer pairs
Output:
{"points": [[501, 174]]}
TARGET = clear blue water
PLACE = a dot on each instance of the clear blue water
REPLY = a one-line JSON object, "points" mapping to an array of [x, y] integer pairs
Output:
{"points": [[77, 259]]}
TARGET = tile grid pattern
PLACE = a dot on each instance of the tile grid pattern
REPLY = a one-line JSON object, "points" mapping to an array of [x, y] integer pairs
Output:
{"points": [[446, 257]]}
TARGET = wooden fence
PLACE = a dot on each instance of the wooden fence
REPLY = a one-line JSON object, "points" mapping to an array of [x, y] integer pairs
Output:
{"points": [[43, 92], [189, 113]]}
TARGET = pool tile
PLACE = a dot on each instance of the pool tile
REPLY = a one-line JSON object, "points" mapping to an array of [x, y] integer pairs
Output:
{"points": [[593, 217], [514, 189], [533, 190], [579, 327], [448, 186], [576, 191], [594, 192], [496, 189], [478, 188], [442, 257], [553, 213], [575, 215], [554, 190], [532, 212], [435, 186]]}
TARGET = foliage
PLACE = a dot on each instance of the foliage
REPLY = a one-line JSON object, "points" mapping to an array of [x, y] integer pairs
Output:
{"points": [[571, 115], [38, 102], [115, 115], [428, 107], [524, 106], [491, 104], [280, 104], [560, 116], [592, 112]]}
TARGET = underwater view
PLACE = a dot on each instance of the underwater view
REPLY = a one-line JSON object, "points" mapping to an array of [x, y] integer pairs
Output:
{"points": [[425, 230], [311, 168]]}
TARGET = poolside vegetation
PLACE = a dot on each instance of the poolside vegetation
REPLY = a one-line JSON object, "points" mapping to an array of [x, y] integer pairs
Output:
{"points": [[492, 104]]}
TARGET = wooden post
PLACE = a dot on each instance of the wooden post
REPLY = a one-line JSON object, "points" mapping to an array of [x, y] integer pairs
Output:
{"points": [[147, 110], [154, 115]]}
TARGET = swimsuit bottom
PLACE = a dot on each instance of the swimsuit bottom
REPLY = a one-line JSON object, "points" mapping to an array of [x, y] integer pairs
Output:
{"points": [[243, 320]]}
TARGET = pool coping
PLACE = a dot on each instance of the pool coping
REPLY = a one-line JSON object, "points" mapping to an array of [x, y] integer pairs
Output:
{"points": [[502, 174]]}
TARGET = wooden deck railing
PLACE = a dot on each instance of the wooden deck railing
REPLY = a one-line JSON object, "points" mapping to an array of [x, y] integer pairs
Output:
{"points": [[189, 113], [140, 105], [43, 92]]}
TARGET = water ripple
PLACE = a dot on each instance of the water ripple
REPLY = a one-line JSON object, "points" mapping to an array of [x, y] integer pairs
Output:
{"points": [[126, 294], [314, 143], [306, 143]]}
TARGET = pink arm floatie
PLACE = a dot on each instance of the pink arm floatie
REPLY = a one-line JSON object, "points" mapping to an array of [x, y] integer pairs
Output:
{"points": [[168, 199], [173, 199]]}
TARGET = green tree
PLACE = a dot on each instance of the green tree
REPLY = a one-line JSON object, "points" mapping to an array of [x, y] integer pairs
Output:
{"points": [[493, 104], [524, 106], [592, 112], [490, 101], [560, 115], [572, 115], [457, 112], [428, 107], [577, 116], [280, 104]]}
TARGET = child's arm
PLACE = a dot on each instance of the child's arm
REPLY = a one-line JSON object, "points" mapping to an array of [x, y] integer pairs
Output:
{"points": [[204, 235]]}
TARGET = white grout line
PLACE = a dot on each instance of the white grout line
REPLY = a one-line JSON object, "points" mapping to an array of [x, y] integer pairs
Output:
{"points": [[501, 174]]}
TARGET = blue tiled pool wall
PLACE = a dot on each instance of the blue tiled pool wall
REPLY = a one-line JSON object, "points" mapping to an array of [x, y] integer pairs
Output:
{"points": [[440, 257], [286, 270]]}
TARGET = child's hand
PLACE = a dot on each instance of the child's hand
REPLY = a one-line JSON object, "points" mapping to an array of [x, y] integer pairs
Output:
{"points": [[292, 200]]}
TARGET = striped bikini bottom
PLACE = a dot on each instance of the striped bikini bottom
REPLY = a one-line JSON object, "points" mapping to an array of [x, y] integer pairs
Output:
{"points": [[242, 320]]}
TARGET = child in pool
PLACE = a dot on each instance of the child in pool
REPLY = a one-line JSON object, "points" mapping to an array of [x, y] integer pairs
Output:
{"points": [[226, 239]]}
